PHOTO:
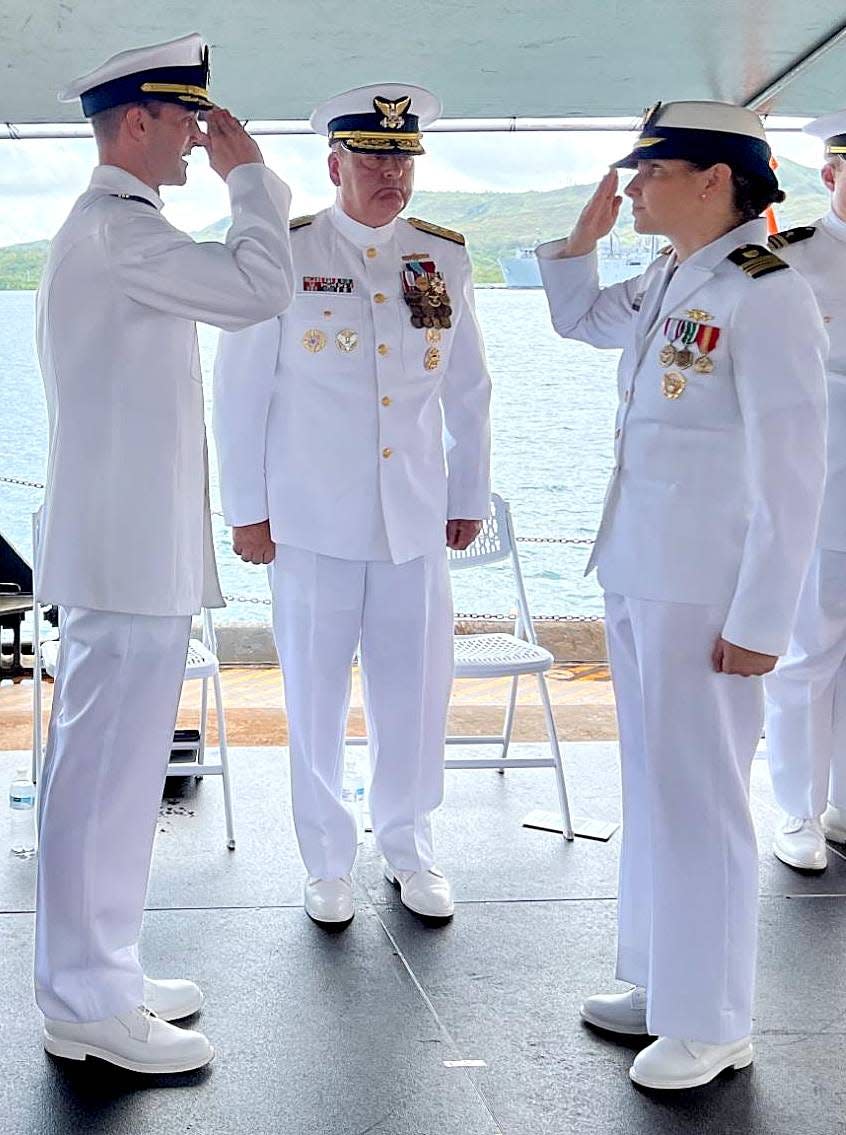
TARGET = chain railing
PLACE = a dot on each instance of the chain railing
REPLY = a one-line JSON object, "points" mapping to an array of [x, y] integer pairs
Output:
{"points": [[260, 601]]}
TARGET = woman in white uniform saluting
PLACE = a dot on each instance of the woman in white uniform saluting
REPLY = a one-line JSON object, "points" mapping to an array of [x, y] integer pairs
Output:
{"points": [[707, 529]]}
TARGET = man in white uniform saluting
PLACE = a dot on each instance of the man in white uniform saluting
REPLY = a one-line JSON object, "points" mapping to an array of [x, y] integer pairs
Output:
{"points": [[126, 532], [806, 693], [329, 423], [707, 530]]}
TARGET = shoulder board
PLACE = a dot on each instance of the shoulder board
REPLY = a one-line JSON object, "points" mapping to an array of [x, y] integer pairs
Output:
{"points": [[133, 197], [435, 230], [791, 236], [299, 222], [754, 261], [666, 250]]}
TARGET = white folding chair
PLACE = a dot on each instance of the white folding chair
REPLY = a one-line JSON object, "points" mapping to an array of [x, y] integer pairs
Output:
{"points": [[507, 655], [504, 655], [201, 664]]}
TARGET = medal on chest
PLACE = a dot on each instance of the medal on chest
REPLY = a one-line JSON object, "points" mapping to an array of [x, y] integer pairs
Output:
{"points": [[688, 346], [424, 290]]}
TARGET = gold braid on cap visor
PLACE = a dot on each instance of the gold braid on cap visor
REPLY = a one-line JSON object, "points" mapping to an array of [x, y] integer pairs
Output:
{"points": [[377, 141], [186, 92]]}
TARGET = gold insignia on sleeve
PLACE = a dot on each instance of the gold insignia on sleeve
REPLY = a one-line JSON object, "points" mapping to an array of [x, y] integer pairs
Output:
{"points": [[393, 112]]}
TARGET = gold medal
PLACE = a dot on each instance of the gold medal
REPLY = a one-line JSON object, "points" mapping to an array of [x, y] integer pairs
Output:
{"points": [[432, 358], [433, 335], [314, 340], [673, 385], [347, 340], [684, 358], [703, 364], [667, 355]]}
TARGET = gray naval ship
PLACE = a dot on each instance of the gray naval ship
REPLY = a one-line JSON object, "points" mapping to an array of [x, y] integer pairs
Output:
{"points": [[520, 270]]}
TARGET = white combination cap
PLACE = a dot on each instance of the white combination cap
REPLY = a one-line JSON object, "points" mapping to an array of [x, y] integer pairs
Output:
{"points": [[831, 128], [382, 118], [702, 131], [176, 71]]}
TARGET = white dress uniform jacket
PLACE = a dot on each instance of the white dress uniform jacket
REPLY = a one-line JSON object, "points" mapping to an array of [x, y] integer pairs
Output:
{"points": [[820, 259], [680, 525], [126, 523], [329, 420]]}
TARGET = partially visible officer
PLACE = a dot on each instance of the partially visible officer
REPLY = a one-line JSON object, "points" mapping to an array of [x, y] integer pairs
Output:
{"points": [[806, 694], [706, 534], [329, 425], [127, 548]]}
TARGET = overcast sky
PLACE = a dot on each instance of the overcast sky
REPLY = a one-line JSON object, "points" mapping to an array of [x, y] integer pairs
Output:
{"points": [[39, 179]]}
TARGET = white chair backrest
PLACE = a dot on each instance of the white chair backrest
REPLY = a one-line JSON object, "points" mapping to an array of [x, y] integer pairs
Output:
{"points": [[494, 542]]}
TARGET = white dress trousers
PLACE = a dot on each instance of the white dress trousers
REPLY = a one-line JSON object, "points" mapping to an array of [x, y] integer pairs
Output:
{"points": [[114, 708], [401, 617], [806, 696], [688, 892]]}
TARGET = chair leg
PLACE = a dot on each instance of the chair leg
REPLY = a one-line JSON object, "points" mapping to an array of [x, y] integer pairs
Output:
{"points": [[204, 721], [224, 761], [509, 720], [566, 822]]}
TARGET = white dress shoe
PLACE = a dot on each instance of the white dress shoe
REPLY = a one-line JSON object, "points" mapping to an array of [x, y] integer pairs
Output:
{"points": [[834, 823], [426, 893], [172, 1000], [136, 1040], [801, 843], [617, 1012], [671, 1064], [329, 900]]}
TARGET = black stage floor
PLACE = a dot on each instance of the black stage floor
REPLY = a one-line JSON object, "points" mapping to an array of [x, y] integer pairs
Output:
{"points": [[367, 1032]]}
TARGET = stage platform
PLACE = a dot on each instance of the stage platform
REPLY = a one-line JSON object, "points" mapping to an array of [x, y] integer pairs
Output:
{"points": [[396, 1028]]}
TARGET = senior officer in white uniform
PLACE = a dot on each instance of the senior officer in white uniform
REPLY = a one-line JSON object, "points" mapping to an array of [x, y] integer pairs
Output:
{"points": [[806, 694], [126, 533], [706, 533], [329, 425]]}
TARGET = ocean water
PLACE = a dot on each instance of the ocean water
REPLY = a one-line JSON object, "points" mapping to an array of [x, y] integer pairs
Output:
{"points": [[552, 420]]}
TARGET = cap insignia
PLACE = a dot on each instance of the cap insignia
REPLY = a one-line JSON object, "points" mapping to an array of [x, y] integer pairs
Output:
{"points": [[393, 112]]}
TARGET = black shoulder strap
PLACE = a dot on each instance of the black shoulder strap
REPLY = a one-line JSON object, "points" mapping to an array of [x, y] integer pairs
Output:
{"points": [[754, 261], [132, 197]]}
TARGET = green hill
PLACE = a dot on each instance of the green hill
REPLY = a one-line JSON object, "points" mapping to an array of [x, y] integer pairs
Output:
{"points": [[21, 264], [493, 223]]}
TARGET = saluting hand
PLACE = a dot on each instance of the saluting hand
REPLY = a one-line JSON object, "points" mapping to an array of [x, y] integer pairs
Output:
{"points": [[460, 534], [253, 543], [227, 143], [598, 217], [730, 659]]}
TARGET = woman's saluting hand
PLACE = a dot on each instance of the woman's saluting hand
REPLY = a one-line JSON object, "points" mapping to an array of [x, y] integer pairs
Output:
{"points": [[598, 217]]}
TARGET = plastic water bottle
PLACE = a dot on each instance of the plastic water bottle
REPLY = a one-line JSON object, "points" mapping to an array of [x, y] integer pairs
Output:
{"points": [[22, 815], [353, 789]]}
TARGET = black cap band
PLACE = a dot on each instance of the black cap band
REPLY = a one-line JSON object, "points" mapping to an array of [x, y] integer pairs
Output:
{"points": [[183, 85], [741, 152]]}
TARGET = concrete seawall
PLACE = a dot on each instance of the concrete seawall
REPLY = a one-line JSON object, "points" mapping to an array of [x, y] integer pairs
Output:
{"points": [[569, 640]]}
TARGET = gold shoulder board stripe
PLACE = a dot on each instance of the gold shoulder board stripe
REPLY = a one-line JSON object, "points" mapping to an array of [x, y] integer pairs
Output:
{"points": [[791, 236], [299, 222], [436, 230], [754, 260]]}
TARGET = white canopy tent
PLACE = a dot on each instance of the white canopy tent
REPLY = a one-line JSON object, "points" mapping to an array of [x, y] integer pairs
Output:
{"points": [[509, 61]]}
